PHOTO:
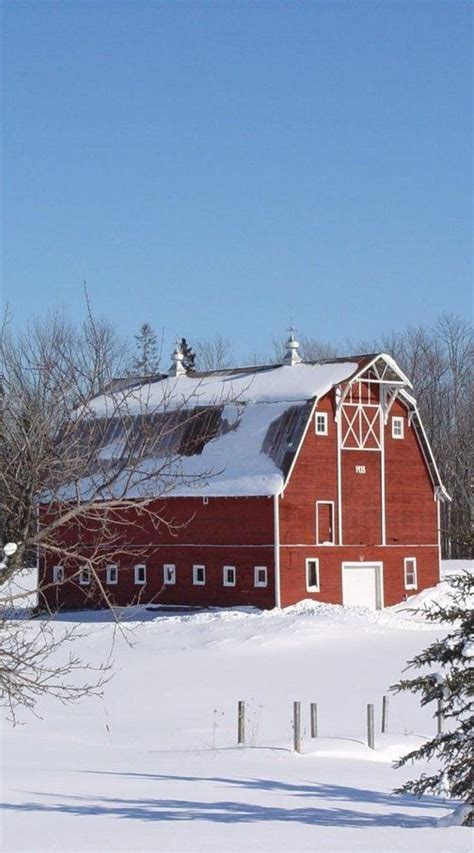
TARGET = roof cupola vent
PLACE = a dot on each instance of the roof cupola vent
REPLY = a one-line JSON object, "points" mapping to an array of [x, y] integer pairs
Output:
{"points": [[292, 355], [177, 367]]}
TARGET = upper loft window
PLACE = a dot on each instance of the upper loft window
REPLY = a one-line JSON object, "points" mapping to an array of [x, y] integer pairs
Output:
{"points": [[398, 428], [321, 423]]}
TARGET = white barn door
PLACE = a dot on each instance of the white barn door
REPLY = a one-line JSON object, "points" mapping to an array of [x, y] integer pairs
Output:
{"points": [[362, 585]]}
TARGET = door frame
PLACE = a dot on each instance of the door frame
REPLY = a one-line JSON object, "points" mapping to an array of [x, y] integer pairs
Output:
{"points": [[378, 565], [333, 522]]}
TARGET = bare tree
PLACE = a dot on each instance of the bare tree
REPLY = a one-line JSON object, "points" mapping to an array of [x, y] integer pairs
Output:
{"points": [[213, 353], [77, 449]]}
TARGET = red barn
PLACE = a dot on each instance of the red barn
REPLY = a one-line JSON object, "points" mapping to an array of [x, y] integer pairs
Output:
{"points": [[304, 480]]}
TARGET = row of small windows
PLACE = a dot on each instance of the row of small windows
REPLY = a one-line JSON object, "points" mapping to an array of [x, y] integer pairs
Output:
{"points": [[229, 575], [321, 425]]}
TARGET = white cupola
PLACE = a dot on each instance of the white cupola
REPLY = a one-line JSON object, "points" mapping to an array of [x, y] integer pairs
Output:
{"points": [[177, 367], [292, 355]]}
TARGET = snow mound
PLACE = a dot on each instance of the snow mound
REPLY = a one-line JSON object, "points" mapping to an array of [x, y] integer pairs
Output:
{"points": [[429, 600]]}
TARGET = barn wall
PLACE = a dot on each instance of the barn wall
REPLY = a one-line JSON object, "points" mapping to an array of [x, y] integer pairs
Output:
{"points": [[293, 571], [410, 512], [225, 531]]}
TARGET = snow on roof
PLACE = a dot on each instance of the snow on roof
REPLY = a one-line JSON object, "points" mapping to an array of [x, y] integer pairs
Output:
{"points": [[267, 408], [272, 384]]}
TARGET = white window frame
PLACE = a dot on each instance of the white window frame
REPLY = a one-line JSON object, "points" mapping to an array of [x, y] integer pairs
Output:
{"points": [[398, 427], [85, 577], [171, 580], [324, 426], [256, 581], [137, 569], [412, 571], [110, 573], [196, 568], [314, 587], [58, 574], [225, 581], [333, 525]]}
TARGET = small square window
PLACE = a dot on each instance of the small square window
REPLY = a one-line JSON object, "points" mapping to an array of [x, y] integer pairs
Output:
{"points": [[58, 574], [140, 574], [169, 574], [312, 575], [112, 575], [228, 576], [199, 575], [410, 573], [321, 423], [398, 427], [260, 576], [84, 577]]}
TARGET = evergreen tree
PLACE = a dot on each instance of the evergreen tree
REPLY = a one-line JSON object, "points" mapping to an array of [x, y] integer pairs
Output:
{"points": [[189, 355], [452, 687], [147, 360]]}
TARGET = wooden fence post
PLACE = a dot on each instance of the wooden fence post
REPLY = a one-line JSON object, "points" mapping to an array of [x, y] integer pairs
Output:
{"points": [[370, 727], [314, 719], [241, 724], [440, 716], [297, 726], [384, 714]]}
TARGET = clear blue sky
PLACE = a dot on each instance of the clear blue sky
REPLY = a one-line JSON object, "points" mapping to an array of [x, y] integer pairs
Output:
{"points": [[223, 166]]}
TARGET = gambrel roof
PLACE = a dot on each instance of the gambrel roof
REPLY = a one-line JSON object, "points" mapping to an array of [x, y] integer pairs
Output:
{"points": [[225, 432]]}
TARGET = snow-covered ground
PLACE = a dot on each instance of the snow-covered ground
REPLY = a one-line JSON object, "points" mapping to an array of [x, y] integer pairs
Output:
{"points": [[154, 765]]}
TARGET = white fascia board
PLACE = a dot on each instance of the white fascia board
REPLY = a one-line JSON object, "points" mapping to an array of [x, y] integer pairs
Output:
{"points": [[300, 445]]}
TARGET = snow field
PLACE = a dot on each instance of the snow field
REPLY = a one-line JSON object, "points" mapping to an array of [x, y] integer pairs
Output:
{"points": [[154, 764]]}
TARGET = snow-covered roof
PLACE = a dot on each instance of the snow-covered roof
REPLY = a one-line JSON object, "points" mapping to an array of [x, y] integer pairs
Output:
{"points": [[246, 448]]}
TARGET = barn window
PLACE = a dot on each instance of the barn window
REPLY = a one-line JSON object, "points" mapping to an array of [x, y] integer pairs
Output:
{"points": [[140, 574], [112, 575], [398, 425], [228, 575], [58, 574], [169, 574], [260, 576], [321, 423], [84, 577], [325, 522], [199, 575], [312, 575], [410, 573]]}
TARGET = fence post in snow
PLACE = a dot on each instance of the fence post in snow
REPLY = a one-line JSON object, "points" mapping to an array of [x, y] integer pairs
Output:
{"points": [[440, 716], [241, 724], [297, 726], [370, 727], [384, 714], [314, 719]]}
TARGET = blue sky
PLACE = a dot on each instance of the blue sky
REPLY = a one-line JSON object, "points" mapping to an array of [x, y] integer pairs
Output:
{"points": [[221, 167]]}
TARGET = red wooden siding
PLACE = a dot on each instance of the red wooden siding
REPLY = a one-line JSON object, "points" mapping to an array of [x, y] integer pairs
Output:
{"points": [[411, 511], [293, 579]]}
